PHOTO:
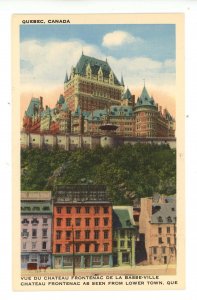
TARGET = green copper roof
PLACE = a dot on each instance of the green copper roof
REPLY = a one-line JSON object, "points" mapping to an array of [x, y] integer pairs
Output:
{"points": [[95, 65], [127, 95], [121, 218], [34, 103], [145, 99], [61, 99]]}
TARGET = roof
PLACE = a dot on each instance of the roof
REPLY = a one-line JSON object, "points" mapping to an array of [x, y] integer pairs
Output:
{"points": [[95, 65], [117, 110], [123, 217], [145, 99], [35, 102], [164, 213], [61, 99], [127, 95], [36, 196]]}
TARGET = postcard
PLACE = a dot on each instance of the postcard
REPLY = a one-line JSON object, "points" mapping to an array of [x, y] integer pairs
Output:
{"points": [[98, 152]]}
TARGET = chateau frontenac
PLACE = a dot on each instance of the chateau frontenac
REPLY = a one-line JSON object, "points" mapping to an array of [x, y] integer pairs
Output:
{"points": [[93, 96]]}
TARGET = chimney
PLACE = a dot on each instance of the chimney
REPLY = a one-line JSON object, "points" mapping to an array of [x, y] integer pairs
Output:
{"points": [[41, 102]]}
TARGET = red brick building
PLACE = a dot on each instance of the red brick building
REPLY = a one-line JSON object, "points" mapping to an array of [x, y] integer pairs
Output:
{"points": [[82, 227]]}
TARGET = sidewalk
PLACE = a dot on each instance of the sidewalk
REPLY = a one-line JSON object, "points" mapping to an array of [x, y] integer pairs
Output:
{"points": [[120, 270]]}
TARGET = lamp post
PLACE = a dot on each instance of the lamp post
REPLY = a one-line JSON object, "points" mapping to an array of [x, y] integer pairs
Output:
{"points": [[73, 242]]}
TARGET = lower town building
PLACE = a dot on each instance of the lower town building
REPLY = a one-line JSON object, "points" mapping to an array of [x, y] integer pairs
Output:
{"points": [[36, 224], [157, 226], [124, 233], [82, 227]]}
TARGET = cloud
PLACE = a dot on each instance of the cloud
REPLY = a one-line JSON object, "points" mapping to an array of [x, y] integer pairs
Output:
{"points": [[44, 65], [118, 38]]}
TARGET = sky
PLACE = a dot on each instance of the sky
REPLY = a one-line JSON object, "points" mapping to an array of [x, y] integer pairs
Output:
{"points": [[138, 52]]}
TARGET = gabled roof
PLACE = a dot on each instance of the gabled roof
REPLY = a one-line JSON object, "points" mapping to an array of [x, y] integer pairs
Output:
{"points": [[164, 213], [95, 65], [61, 99], [123, 217], [35, 102]]}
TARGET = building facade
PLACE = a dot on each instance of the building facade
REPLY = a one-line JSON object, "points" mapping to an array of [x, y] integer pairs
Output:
{"points": [[92, 85], [157, 225], [93, 96], [36, 224], [82, 227], [124, 235]]}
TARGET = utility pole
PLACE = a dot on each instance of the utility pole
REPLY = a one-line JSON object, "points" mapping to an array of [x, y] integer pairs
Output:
{"points": [[73, 242]]}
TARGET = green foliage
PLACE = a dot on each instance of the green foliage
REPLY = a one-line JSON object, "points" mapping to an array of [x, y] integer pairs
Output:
{"points": [[127, 171]]}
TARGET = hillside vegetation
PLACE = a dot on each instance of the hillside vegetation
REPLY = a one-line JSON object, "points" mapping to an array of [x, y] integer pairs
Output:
{"points": [[128, 171]]}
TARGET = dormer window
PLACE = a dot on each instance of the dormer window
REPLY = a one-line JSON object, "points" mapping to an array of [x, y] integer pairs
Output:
{"points": [[100, 75], [169, 219], [160, 219], [88, 71], [111, 78]]}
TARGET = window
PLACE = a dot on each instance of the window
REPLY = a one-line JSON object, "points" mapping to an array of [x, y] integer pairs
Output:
{"points": [[68, 235], [154, 250], [24, 258], [58, 222], [45, 221], [96, 221], [44, 233], [78, 210], [87, 210], [87, 247], [58, 248], [44, 258], [168, 229], [87, 234], [159, 230], [121, 243], [96, 234], [171, 250], [34, 221], [114, 243], [68, 222], [96, 210], [44, 245], [169, 220], [25, 233], [67, 248], [77, 248], [125, 257], [24, 245], [87, 221], [46, 208], [105, 247], [106, 234], [59, 210], [96, 247], [68, 210], [129, 244], [77, 234], [77, 222], [33, 245], [160, 219], [106, 221], [36, 208], [34, 258], [106, 210], [122, 233], [25, 222], [58, 235], [34, 233], [160, 241], [168, 240]]}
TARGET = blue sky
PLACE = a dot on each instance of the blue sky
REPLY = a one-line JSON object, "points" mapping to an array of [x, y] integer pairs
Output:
{"points": [[158, 40], [137, 52]]}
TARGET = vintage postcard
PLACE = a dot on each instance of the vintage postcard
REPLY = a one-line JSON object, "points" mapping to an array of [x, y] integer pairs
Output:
{"points": [[98, 152]]}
